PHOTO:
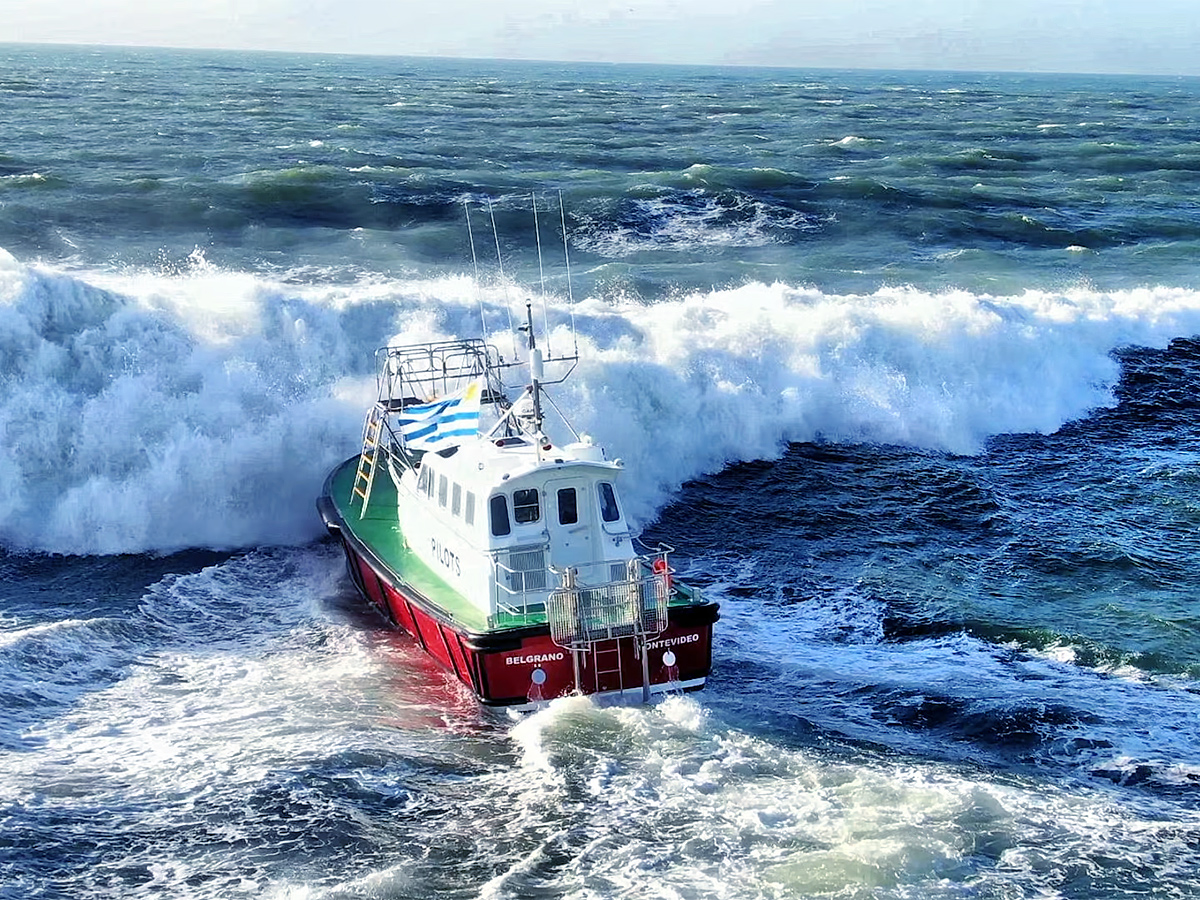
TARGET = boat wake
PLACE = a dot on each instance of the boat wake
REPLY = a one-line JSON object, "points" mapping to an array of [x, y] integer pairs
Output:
{"points": [[715, 801], [731, 790]]}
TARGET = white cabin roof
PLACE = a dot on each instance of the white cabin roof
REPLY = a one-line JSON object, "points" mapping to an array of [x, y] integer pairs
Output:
{"points": [[484, 465]]}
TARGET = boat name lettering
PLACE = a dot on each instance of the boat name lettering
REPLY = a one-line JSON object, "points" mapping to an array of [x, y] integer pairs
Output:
{"points": [[446, 557], [673, 641], [533, 658]]}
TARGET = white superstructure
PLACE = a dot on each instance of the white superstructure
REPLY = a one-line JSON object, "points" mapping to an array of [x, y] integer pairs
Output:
{"points": [[514, 524]]}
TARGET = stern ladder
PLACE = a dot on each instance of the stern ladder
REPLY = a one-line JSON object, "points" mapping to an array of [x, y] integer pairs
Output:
{"points": [[606, 667]]}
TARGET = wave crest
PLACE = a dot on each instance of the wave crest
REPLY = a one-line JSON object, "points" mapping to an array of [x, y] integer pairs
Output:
{"points": [[155, 412]]}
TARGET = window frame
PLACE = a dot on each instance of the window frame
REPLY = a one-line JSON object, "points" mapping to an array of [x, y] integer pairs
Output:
{"points": [[608, 502], [527, 513], [500, 524], [572, 507]]}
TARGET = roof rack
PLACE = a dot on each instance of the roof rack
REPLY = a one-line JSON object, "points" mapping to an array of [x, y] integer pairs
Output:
{"points": [[412, 374]]}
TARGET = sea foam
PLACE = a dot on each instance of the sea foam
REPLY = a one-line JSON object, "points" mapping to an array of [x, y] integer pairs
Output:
{"points": [[148, 411]]}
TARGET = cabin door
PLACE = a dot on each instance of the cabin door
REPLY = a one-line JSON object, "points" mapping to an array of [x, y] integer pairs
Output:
{"points": [[569, 519]]}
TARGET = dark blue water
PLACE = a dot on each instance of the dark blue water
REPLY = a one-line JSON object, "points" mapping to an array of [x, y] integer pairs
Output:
{"points": [[904, 364]]}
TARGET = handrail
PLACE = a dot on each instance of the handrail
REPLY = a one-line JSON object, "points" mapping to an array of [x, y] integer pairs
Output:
{"points": [[587, 602], [416, 373], [525, 587], [581, 615]]}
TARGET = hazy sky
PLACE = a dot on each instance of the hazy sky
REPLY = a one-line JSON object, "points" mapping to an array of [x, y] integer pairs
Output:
{"points": [[1139, 36]]}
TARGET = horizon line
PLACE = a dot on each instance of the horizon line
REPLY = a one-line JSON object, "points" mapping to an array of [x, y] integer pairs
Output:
{"points": [[597, 62]]}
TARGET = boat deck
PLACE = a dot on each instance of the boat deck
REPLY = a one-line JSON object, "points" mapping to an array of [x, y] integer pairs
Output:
{"points": [[378, 530]]}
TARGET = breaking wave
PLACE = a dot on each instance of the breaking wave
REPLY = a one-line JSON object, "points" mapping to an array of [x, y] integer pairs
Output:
{"points": [[151, 411]]}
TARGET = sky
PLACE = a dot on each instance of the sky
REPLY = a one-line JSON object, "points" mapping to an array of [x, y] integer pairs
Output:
{"points": [[1158, 37]]}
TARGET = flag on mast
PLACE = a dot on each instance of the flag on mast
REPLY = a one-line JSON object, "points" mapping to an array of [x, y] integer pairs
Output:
{"points": [[443, 422]]}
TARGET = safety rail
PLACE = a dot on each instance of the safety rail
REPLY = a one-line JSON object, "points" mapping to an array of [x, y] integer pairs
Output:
{"points": [[585, 603], [416, 373], [521, 579], [581, 615]]}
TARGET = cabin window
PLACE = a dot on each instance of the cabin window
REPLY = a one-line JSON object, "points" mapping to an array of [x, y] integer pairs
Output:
{"points": [[456, 499], [443, 488], [525, 506], [499, 507], [568, 507], [469, 509], [424, 480], [609, 511]]}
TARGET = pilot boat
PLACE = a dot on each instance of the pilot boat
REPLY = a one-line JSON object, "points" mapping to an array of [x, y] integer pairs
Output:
{"points": [[507, 554]]}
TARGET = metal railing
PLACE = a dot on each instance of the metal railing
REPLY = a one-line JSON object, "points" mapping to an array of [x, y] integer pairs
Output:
{"points": [[416, 373], [521, 578], [581, 615], [586, 603]]}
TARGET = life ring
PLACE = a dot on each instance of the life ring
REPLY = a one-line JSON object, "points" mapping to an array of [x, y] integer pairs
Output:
{"points": [[663, 571]]}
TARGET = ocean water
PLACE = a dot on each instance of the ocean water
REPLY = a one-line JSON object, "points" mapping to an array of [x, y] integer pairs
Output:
{"points": [[904, 364]]}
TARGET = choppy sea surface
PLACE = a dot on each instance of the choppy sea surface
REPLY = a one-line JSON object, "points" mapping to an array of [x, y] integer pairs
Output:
{"points": [[904, 364]]}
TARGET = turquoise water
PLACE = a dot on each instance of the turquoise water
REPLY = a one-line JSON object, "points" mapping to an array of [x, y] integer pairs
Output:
{"points": [[674, 177], [903, 363]]}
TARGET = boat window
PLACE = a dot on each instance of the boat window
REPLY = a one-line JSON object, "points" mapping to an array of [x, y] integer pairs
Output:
{"points": [[443, 484], [608, 503], [456, 499], [499, 505], [469, 510], [525, 506], [568, 508], [424, 481]]}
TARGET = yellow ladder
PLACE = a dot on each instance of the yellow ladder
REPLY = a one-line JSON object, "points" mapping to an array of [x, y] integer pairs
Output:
{"points": [[366, 460]]}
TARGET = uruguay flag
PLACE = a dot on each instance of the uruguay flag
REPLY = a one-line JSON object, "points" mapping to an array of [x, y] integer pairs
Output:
{"points": [[442, 423]]}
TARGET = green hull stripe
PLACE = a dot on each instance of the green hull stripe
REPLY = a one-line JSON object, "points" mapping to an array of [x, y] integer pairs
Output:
{"points": [[379, 530]]}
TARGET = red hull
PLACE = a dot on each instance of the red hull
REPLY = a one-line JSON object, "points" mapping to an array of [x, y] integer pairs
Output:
{"points": [[501, 667]]}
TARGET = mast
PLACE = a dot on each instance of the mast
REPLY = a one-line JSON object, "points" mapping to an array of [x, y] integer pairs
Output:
{"points": [[535, 370]]}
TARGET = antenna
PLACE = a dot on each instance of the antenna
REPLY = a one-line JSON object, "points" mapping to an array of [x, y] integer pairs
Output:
{"points": [[542, 273], [475, 263], [535, 373], [567, 256], [504, 281]]}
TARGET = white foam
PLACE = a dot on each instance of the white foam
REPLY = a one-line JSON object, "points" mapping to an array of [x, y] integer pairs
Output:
{"points": [[731, 374], [719, 807], [1089, 719], [16, 635], [852, 140], [273, 678], [151, 411], [700, 221]]}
